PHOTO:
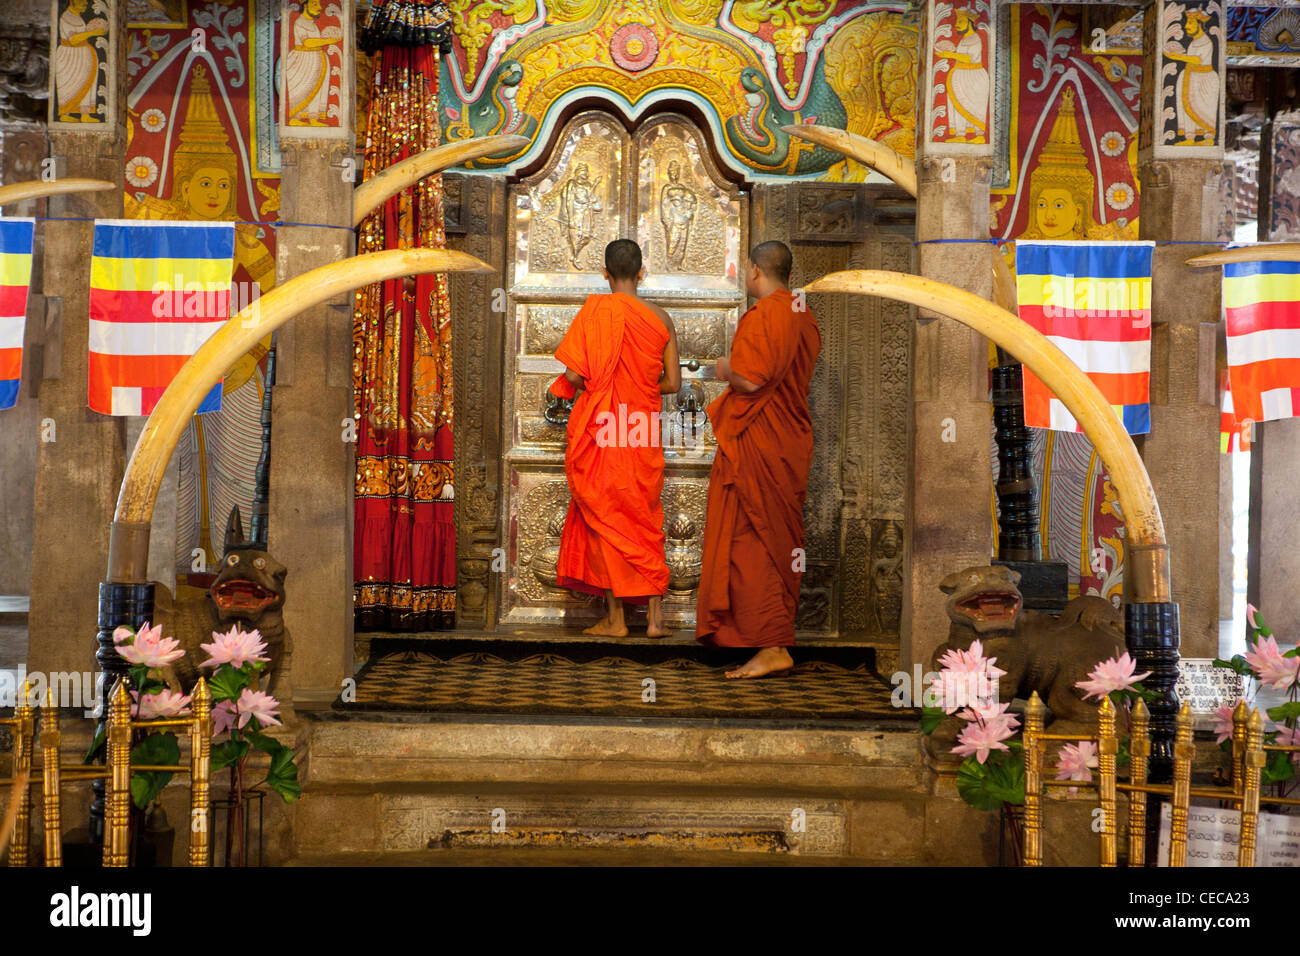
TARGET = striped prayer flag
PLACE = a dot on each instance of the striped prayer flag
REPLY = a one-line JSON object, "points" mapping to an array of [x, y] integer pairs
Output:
{"points": [[1093, 300], [1232, 435], [16, 237], [1261, 309], [158, 290]]}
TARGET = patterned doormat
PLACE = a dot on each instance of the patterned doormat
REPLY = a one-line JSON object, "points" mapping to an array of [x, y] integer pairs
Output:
{"points": [[679, 681]]}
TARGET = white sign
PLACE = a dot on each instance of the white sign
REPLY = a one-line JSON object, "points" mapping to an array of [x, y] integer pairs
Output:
{"points": [[1206, 686], [1212, 837]]}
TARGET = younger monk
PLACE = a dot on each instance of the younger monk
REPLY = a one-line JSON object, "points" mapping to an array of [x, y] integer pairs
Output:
{"points": [[621, 353], [753, 534]]}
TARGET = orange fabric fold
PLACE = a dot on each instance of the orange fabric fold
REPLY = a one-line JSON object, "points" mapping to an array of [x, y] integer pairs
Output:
{"points": [[753, 532], [613, 535]]}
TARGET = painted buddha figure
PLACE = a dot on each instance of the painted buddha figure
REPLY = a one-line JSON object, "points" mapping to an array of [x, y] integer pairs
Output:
{"points": [[1061, 186]]}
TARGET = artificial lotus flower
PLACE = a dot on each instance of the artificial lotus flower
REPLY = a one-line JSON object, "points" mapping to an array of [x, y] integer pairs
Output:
{"points": [[121, 634], [1075, 762], [150, 648], [1223, 722], [1273, 667], [254, 703], [165, 703], [223, 717], [978, 739], [968, 678], [1251, 619], [1289, 737], [235, 647], [991, 713], [1111, 675]]}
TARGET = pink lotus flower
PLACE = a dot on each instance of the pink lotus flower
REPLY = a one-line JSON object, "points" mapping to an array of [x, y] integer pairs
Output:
{"points": [[991, 713], [235, 647], [165, 703], [1286, 737], [150, 648], [1074, 762], [1274, 669], [968, 678], [978, 739], [1223, 723], [1251, 611], [223, 717], [254, 703], [122, 633], [1111, 675]]}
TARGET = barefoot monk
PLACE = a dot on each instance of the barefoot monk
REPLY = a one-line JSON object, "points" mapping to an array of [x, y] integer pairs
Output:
{"points": [[620, 356], [753, 534]]}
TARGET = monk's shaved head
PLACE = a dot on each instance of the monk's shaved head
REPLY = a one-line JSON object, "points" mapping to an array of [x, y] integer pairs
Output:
{"points": [[623, 259], [773, 260]]}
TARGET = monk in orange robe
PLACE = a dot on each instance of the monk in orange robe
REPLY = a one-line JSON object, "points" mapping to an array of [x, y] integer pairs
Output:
{"points": [[620, 356], [753, 534]]}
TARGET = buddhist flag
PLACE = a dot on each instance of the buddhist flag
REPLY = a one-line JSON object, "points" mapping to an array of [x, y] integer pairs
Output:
{"points": [[1261, 308], [158, 290], [1232, 435], [16, 237], [1093, 300]]}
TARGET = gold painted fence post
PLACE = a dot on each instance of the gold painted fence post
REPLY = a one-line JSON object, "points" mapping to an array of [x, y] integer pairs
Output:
{"points": [[1107, 751], [24, 732], [1033, 835], [1184, 750], [200, 771], [117, 799], [1253, 772], [50, 795], [1139, 749]]}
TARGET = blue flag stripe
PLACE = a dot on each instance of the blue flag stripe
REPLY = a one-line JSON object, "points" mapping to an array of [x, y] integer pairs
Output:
{"points": [[1241, 270], [16, 235], [9, 393], [212, 401], [1111, 260], [160, 240]]}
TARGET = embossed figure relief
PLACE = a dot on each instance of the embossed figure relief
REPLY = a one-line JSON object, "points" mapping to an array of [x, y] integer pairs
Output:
{"points": [[579, 204], [81, 65], [676, 212], [1190, 86]]}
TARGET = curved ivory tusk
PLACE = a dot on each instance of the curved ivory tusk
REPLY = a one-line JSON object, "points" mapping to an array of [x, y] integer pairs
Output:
{"points": [[1268, 252], [127, 562], [1004, 285], [411, 170], [1145, 529], [36, 188], [866, 151]]}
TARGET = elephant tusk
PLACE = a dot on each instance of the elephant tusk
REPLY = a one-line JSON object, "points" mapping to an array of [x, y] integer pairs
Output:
{"points": [[36, 188], [1004, 284], [1145, 529], [397, 177], [1268, 252], [128, 547], [866, 151]]}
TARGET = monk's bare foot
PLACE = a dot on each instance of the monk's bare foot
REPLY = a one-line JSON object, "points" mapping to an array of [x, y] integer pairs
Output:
{"points": [[770, 660], [657, 629], [607, 628]]}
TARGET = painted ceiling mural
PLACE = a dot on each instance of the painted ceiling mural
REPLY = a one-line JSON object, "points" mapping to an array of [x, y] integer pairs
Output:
{"points": [[201, 146], [749, 66]]}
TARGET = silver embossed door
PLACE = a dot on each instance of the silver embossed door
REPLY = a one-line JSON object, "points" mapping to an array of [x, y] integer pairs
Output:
{"points": [[657, 185]]}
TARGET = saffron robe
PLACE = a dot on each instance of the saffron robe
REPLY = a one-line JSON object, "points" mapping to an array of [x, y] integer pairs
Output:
{"points": [[753, 532], [613, 536]]}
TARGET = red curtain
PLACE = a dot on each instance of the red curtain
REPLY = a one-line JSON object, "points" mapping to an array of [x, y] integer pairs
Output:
{"points": [[404, 551]]}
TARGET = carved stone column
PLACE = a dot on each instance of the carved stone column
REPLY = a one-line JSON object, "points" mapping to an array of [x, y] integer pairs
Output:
{"points": [[313, 455], [1180, 157], [81, 454], [948, 525]]}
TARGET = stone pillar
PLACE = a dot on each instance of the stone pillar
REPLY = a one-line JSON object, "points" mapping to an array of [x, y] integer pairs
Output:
{"points": [[948, 524], [1274, 559], [312, 454], [81, 455], [1180, 166]]}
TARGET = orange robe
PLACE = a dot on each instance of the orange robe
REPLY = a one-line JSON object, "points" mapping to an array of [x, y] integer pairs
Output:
{"points": [[614, 533], [749, 584]]}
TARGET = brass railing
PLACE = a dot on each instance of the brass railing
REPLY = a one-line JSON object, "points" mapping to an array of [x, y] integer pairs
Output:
{"points": [[23, 723], [1249, 754]]}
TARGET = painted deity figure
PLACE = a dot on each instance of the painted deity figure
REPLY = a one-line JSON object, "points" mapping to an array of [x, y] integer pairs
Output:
{"points": [[218, 443], [579, 204], [307, 67], [1197, 87], [76, 64], [676, 212], [1061, 185], [968, 82]]}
